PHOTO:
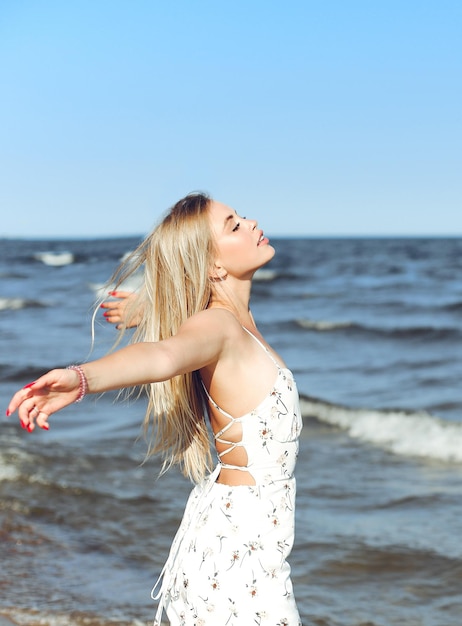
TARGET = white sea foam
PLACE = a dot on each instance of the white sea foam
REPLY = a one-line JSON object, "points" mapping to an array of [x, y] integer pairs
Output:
{"points": [[102, 289], [265, 275], [8, 471], [416, 434], [12, 304], [322, 325], [45, 617], [126, 255], [55, 259]]}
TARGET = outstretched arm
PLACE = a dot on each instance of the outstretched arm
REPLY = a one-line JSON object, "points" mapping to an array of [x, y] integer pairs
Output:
{"points": [[200, 342]]}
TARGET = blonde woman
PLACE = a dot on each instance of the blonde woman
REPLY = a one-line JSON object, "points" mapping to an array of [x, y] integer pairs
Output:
{"points": [[200, 357]]}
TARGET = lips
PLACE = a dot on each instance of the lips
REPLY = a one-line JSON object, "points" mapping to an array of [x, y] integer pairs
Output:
{"points": [[262, 239]]}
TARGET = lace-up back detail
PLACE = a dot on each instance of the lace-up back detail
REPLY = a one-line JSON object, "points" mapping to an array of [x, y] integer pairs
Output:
{"points": [[267, 430]]}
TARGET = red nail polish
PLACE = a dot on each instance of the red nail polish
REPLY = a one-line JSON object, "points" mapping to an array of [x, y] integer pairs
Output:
{"points": [[29, 428], [8, 413], [112, 293], [29, 385], [22, 424], [46, 427]]}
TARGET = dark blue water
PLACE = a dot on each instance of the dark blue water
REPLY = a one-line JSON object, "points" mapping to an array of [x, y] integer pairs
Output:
{"points": [[371, 329]]}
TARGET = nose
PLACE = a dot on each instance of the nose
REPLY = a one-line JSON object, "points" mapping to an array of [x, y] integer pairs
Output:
{"points": [[253, 224]]}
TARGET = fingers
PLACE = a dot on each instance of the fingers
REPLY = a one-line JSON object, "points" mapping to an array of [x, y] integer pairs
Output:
{"points": [[115, 309], [114, 315], [110, 305], [35, 417], [117, 305], [37, 401], [19, 397], [29, 412], [121, 294], [42, 420]]}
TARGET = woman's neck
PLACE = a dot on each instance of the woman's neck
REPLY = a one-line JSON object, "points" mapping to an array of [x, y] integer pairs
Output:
{"points": [[236, 301]]}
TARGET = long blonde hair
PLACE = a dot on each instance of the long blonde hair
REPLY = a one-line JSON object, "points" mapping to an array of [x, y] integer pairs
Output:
{"points": [[177, 257]]}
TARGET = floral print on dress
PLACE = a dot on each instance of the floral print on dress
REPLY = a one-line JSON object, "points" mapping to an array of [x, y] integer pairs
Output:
{"points": [[228, 563]]}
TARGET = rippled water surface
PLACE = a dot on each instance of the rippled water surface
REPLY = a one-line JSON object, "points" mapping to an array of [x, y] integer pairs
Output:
{"points": [[372, 331]]}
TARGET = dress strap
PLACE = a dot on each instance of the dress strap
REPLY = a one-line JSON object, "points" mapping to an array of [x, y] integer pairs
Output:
{"points": [[218, 408], [262, 345], [212, 401]]}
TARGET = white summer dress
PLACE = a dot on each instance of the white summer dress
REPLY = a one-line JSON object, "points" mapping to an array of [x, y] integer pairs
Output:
{"points": [[227, 565]]}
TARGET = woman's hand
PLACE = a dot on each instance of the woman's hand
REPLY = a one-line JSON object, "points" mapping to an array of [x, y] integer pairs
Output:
{"points": [[48, 394], [116, 312]]}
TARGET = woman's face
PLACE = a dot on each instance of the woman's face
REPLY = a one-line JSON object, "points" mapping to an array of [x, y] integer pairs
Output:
{"points": [[241, 246]]}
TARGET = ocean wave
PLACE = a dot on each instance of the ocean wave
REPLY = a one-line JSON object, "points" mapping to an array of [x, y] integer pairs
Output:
{"points": [[12, 457], [265, 275], [406, 332], [8, 472], [323, 325], [55, 259], [9, 373], [15, 304], [360, 560], [102, 289], [51, 617], [13, 276], [406, 433], [453, 307], [125, 256]]}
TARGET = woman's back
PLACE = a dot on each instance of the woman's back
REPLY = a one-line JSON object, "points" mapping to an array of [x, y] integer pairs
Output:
{"points": [[261, 442]]}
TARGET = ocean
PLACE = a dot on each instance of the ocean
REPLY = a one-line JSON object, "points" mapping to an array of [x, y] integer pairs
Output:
{"points": [[372, 331]]}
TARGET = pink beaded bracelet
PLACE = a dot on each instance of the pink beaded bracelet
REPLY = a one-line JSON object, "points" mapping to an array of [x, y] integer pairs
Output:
{"points": [[83, 383]]}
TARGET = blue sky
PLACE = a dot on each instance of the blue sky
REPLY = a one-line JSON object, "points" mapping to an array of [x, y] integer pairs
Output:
{"points": [[339, 117]]}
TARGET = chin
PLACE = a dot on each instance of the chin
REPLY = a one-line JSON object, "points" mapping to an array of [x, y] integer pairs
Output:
{"points": [[270, 252]]}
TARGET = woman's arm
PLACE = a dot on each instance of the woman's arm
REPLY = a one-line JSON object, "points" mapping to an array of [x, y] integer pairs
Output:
{"points": [[200, 342]]}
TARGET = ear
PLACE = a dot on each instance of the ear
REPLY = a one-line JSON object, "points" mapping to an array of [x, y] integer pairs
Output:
{"points": [[218, 272]]}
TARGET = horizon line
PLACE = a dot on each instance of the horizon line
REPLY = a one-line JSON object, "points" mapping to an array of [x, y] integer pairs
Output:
{"points": [[271, 236]]}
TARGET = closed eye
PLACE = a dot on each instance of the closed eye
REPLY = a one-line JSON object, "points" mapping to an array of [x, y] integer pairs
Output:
{"points": [[236, 227]]}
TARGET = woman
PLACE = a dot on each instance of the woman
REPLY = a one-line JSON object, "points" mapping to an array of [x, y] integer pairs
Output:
{"points": [[197, 350]]}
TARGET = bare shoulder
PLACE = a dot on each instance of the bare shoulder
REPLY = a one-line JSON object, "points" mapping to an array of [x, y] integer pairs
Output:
{"points": [[203, 340], [213, 321], [219, 338]]}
